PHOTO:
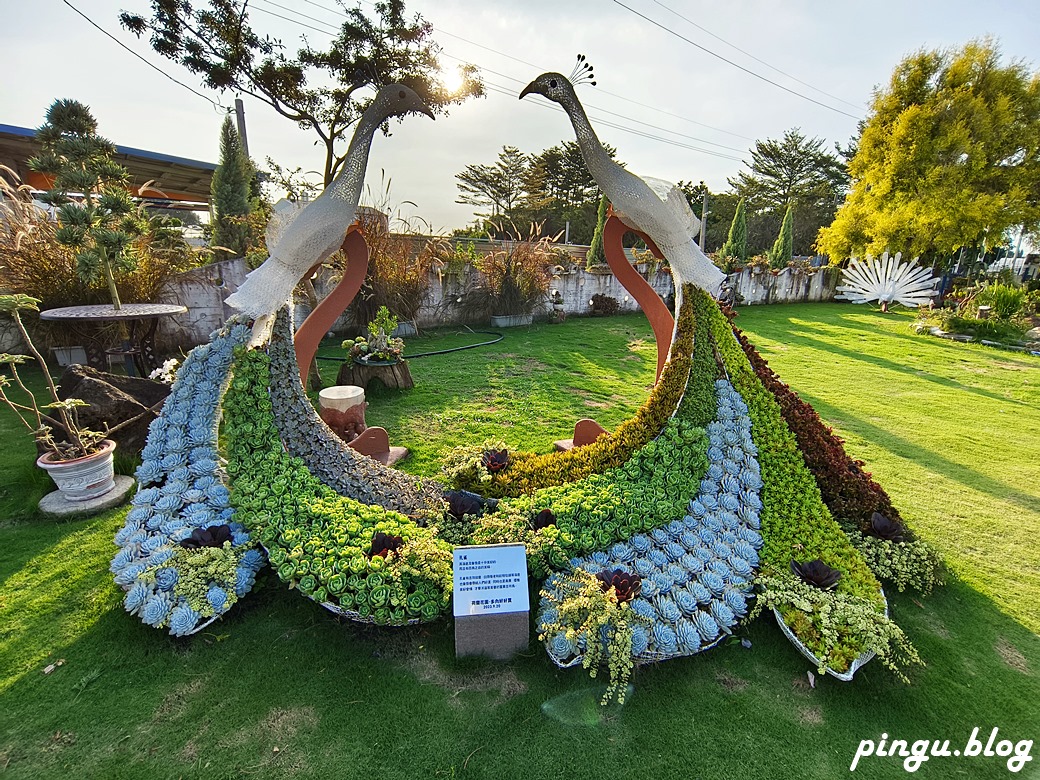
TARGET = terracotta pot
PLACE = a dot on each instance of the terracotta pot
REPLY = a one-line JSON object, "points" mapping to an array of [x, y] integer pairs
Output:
{"points": [[82, 479]]}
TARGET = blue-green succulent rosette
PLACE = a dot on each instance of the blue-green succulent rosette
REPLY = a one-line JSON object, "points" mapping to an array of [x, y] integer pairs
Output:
{"points": [[696, 572], [183, 560]]}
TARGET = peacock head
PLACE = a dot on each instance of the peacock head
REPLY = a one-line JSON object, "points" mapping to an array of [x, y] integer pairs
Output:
{"points": [[557, 87], [398, 100], [553, 86]]}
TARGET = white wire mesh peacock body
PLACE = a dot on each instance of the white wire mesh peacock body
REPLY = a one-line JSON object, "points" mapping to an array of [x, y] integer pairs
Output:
{"points": [[300, 237], [653, 206]]}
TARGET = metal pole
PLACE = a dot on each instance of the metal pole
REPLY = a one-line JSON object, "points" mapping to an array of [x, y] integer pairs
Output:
{"points": [[567, 233], [240, 117], [704, 217]]}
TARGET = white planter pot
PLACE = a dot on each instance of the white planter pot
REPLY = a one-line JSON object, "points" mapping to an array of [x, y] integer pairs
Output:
{"points": [[511, 320], [406, 328], [845, 676], [83, 478]]}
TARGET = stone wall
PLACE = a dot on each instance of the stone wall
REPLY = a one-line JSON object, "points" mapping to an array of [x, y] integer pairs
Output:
{"points": [[10, 339], [790, 285], [203, 291]]}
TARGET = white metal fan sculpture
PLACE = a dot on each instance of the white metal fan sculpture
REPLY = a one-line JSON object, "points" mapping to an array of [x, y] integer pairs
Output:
{"points": [[886, 280]]}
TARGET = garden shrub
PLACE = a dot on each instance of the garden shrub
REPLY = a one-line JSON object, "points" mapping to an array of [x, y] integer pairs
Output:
{"points": [[1006, 300], [1006, 331], [603, 305], [319, 542]]}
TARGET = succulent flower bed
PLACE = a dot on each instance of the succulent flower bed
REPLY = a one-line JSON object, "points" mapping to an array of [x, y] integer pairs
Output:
{"points": [[183, 560], [851, 494], [651, 537], [358, 560], [528, 472], [695, 573], [796, 524], [848, 491], [651, 489], [327, 456]]}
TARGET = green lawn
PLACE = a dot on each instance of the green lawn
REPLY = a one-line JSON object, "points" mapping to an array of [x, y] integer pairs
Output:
{"points": [[280, 689]]}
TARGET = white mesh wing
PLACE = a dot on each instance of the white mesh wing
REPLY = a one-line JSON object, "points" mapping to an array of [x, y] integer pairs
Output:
{"points": [[676, 202]]}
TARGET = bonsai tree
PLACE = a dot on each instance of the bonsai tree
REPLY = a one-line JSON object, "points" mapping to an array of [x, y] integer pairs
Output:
{"points": [[380, 344], [103, 223]]}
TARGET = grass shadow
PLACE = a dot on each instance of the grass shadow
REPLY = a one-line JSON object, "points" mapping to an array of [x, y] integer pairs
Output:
{"points": [[929, 459], [823, 345]]}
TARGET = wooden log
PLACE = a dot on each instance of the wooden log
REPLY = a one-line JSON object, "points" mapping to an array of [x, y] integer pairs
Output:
{"points": [[395, 375]]}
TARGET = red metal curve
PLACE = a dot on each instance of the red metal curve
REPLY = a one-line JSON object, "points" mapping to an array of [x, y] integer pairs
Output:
{"points": [[325, 314], [646, 296]]}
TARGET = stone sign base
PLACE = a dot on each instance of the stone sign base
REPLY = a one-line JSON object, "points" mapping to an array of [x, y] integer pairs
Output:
{"points": [[496, 636]]}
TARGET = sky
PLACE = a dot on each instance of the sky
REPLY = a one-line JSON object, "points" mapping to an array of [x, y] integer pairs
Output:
{"points": [[661, 69]]}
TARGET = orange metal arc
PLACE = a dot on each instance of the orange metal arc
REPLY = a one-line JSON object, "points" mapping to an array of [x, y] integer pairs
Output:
{"points": [[325, 314], [646, 296]]}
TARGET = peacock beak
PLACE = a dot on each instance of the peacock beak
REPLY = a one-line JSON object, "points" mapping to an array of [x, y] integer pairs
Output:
{"points": [[424, 109], [531, 88]]}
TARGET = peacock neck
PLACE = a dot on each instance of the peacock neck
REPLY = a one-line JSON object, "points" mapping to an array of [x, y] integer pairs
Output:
{"points": [[349, 181], [599, 163]]}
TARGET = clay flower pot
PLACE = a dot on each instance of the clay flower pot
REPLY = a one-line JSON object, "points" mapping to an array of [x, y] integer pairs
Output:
{"points": [[82, 479]]}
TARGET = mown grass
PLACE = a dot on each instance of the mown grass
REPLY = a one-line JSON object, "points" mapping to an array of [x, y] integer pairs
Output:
{"points": [[280, 689]]}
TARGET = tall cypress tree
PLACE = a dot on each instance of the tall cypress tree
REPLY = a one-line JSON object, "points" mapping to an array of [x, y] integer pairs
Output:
{"points": [[783, 247], [595, 254], [230, 192], [736, 242]]}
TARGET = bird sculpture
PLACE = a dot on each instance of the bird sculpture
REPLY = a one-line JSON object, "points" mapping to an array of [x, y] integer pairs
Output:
{"points": [[655, 207], [298, 238], [886, 280]]}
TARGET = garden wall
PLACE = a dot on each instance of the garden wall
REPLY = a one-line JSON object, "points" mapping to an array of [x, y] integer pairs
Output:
{"points": [[790, 285], [203, 291]]}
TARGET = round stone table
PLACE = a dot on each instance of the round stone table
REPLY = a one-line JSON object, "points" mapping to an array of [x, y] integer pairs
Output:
{"points": [[142, 319]]}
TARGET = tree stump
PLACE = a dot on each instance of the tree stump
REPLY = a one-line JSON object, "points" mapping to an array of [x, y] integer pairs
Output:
{"points": [[395, 375]]}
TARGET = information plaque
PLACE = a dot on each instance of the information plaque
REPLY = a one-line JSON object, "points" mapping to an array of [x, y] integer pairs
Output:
{"points": [[491, 600]]}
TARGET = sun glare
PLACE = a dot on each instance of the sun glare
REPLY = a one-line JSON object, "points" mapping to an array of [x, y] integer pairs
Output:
{"points": [[452, 80]]}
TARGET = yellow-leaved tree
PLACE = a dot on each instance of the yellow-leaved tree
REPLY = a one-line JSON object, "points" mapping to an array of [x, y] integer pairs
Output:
{"points": [[948, 159]]}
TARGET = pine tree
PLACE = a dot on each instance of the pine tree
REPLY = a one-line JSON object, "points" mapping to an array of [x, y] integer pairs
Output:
{"points": [[736, 242], [783, 249], [595, 254], [102, 226], [230, 192]]}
